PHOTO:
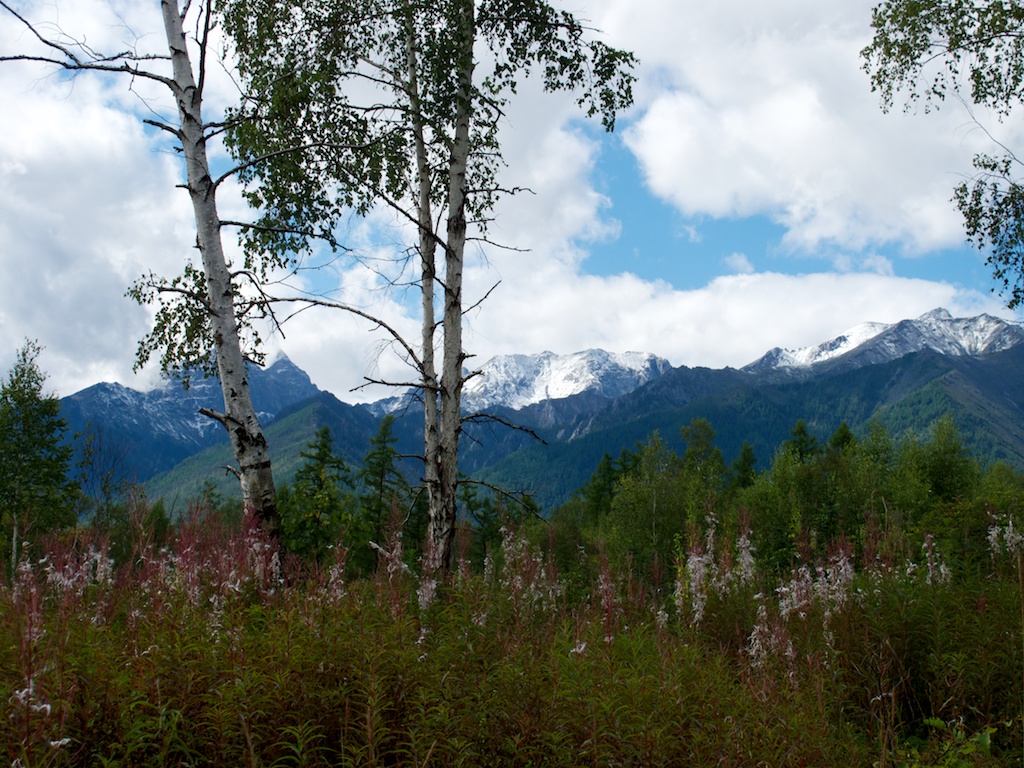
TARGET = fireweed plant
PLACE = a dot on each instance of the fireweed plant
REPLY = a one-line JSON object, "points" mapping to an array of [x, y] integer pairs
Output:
{"points": [[216, 650]]}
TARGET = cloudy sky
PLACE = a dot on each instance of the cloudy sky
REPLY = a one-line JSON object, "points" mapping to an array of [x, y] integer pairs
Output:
{"points": [[755, 196]]}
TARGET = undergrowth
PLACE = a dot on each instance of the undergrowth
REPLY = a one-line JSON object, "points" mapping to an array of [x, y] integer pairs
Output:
{"points": [[215, 651]]}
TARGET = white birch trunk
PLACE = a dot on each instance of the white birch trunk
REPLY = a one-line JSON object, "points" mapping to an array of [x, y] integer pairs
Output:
{"points": [[239, 417], [428, 274], [443, 503]]}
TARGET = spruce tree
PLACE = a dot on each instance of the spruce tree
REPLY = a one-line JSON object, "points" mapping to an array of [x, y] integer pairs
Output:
{"points": [[318, 511], [36, 496], [383, 485]]}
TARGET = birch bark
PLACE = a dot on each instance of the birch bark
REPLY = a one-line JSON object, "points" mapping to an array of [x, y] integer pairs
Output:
{"points": [[443, 499], [239, 417]]}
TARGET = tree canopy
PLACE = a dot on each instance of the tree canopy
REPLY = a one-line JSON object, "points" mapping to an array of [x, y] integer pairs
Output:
{"points": [[397, 106], [927, 50]]}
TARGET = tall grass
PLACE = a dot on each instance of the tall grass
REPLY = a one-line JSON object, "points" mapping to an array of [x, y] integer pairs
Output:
{"points": [[216, 651]]}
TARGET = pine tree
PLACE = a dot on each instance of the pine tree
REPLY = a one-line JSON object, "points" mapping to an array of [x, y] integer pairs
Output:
{"points": [[383, 485], [802, 444], [741, 472], [318, 511], [36, 496]]}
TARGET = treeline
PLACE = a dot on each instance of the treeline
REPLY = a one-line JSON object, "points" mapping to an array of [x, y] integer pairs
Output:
{"points": [[643, 510], [55, 484], [649, 506]]}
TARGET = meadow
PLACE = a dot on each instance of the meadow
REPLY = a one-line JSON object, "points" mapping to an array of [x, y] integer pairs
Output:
{"points": [[210, 648]]}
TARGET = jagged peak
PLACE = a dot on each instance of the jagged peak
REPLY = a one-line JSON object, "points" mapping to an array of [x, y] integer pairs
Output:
{"points": [[937, 330], [516, 381]]}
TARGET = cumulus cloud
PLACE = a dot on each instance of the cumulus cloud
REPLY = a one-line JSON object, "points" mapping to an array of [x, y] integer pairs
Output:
{"points": [[744, 108], [729, 322], [87, 204], [761, 108]]}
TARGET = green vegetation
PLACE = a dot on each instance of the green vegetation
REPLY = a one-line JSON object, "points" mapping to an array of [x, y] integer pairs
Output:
{"points": [[35, 494], [216, 651], [855, 600], [652, 506], [926, 50]]}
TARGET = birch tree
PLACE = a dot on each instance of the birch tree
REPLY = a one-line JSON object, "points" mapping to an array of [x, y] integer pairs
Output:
{"points": [[202, 313], [925, 51], [419, 89]]}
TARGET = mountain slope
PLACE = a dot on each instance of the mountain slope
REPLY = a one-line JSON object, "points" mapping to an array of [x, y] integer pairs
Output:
{"points": [[985, 396], [287, 435], [155, 430], [904, 375], [873, 343]]}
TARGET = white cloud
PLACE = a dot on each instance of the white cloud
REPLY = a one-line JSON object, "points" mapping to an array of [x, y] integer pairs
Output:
{"points": [[739, 263], [87, 204], [744, 108], [729, 322], [763, 108]]}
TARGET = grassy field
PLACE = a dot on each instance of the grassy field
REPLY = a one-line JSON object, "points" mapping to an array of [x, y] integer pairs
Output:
{"points": [[212, 651]]}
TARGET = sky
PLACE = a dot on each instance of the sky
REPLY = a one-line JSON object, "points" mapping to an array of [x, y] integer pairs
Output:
{"points": [[755, 196]]}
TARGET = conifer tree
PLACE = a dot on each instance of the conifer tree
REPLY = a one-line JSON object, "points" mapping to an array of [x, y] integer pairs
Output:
{"points": [[35, 492], [383, 486], [318, 511]]}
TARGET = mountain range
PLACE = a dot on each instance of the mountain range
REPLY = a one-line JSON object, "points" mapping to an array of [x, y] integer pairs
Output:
{"points": [[903, 375], [871, 343]]}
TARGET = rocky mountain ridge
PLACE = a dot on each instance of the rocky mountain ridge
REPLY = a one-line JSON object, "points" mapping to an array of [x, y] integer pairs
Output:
{"points": [[598, 399], [872, 343], [516, 381], [160, 427]]}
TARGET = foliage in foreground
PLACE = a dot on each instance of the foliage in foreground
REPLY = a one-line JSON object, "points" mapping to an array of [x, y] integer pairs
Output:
{"points": [[213, 652]]}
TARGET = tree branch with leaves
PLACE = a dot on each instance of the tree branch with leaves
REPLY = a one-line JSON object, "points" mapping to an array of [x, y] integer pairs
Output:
{"points": [[201, 317], [928, 50], [401, 103]]}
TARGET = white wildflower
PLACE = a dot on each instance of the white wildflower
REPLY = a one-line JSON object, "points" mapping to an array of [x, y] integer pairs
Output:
{"points": [[995, 542], [1014, 539], [745, 559], [661, 618]]}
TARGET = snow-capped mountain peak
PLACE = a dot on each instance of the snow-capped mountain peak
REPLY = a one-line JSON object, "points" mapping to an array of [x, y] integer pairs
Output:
{"points": [[870, 343], [819, 353], [515, 381]]}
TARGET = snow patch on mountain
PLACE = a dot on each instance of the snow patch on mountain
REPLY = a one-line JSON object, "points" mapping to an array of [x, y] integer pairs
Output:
{"points": [[879, 342], [516, 381]]}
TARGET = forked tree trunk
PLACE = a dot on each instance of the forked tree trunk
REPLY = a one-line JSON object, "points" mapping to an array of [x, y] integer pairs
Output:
{"points": [[443, 499], [239, 416]]}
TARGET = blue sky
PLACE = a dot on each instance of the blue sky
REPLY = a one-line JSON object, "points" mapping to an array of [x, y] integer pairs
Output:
{"points": [[656, 241], [754, 196]]}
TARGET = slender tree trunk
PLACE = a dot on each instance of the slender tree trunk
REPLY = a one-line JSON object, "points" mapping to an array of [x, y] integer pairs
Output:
{"points": [[239, 417], [428, 275], [443, 504]]}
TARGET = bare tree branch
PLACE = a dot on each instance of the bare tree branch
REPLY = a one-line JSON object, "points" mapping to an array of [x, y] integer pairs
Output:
{"points": [[480, 418], [313, 302]]}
